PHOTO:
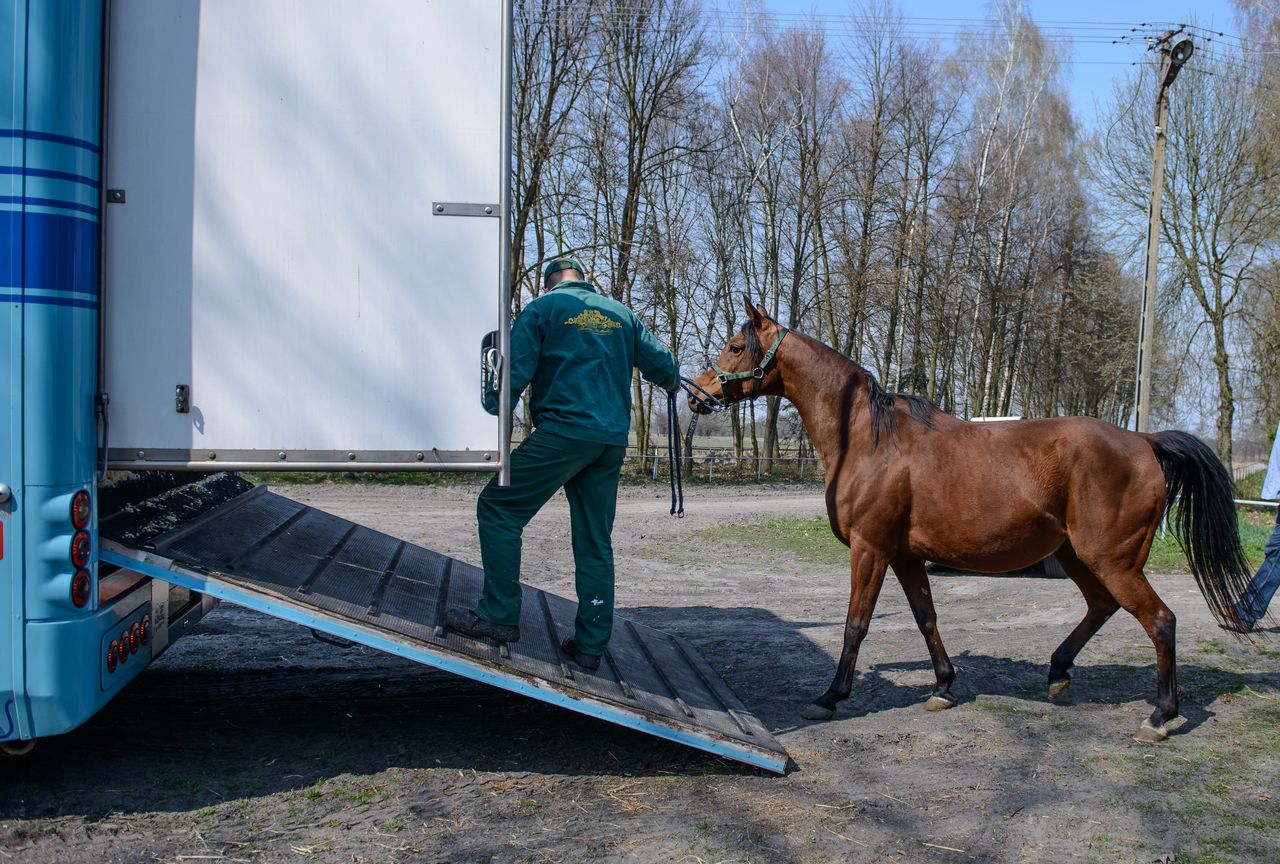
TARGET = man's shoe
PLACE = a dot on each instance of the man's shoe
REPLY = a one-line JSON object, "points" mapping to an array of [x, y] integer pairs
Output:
{"points": [[590, 662], [468, 623]]}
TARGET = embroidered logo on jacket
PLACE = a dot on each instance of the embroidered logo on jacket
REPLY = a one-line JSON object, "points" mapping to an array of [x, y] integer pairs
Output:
{"points": [[592, 321]]}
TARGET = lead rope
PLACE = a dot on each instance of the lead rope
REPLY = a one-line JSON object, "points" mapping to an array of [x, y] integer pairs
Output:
{"points": [[673, 457]]}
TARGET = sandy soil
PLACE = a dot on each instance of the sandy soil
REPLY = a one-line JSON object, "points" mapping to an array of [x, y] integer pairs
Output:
{"points": [[250, 741]]}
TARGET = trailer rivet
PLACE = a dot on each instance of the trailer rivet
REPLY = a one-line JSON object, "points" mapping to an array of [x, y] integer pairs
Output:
{"points": [[213, 455], [488, 211], [281, 454], [351, 456], [439, 208], [421, 456], [488, 456], [142, 455]]}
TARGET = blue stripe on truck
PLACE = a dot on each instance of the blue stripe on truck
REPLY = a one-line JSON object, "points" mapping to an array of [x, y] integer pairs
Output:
{"points": [[59, 253]]}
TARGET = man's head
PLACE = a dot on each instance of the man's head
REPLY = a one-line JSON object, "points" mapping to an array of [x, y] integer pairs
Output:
{"points": [[561, 269]]}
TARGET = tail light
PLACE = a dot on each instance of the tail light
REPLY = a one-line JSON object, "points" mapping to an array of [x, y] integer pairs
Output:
{"points": [[80, 548], [124, 646], [80, 509], [135, 638], [144, 633], [80, 584], [111, 656]]}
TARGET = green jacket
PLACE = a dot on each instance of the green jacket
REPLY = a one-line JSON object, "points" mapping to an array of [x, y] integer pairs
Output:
{"points": [[578, 348]]}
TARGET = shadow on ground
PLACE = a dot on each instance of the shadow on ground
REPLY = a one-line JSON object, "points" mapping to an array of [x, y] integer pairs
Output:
{"points": [[211, 728]]}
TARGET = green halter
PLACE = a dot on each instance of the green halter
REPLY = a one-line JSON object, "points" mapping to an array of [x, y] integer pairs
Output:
{"points": [[755, 374]]}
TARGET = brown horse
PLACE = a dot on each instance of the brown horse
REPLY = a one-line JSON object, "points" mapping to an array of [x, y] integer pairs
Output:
{"points": [[907, 484]]}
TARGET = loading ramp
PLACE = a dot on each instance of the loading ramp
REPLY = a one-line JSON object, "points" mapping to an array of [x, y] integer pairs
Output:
{"points": [[222, 536]]}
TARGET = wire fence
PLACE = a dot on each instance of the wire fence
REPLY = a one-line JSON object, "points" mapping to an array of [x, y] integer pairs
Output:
{"points": [[720, 467], [726, 468]]}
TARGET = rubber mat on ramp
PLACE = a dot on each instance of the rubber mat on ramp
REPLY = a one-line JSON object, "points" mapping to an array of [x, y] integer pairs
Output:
{"points": [[222, 536]]}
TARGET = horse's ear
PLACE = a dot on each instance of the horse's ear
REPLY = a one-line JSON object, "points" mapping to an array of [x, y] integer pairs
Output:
{"points": [[755, 314]]}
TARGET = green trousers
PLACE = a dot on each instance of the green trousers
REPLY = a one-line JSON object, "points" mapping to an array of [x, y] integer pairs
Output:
{"points": [[539, 467]]}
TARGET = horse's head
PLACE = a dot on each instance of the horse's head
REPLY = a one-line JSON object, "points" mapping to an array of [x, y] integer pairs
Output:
{"points": [[746, 368]]}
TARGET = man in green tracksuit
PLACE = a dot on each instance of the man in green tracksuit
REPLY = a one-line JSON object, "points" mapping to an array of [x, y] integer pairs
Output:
{"points": [[577, 348]]}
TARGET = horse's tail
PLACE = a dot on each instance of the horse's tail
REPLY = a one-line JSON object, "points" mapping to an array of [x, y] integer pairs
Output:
{"points": [[1199, 501]]}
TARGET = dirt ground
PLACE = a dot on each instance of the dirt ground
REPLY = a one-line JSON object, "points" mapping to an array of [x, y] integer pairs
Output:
{"points": [[250, 741]]}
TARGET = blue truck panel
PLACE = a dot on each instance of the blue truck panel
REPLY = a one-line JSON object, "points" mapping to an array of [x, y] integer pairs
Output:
{"points": [[12, 63], [50, 111], [65, 681]]}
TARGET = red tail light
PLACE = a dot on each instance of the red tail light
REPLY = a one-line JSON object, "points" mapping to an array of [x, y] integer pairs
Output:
{"points": [[134, 638], [124, 646], [80, 547], [80, 584], [111, 656], [144, 634], [80, 509]]}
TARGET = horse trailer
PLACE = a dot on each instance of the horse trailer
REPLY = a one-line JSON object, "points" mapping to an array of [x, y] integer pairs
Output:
{"points": [[243, 236]]}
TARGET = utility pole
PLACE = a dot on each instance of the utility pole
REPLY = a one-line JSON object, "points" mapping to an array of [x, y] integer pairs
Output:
{"points": [[1172, 59]]}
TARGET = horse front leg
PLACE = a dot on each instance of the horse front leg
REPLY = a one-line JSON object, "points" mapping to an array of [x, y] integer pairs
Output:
{"points": [[866, 576], [915, 584]]}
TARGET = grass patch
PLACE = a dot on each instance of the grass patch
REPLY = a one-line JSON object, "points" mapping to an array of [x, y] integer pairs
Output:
{"points": [[811, 540], [1002, 707], [1250, 486], [807, 539], [1255, 527], [1206, 784]]}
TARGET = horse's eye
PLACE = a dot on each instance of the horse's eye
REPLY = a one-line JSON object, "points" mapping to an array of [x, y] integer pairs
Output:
{"points": [[736, 349]]}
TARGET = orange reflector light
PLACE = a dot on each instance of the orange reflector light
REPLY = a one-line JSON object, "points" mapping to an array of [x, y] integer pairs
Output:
{"points": [[111, 656], [80, 509], [80, 584], [80, 547]]}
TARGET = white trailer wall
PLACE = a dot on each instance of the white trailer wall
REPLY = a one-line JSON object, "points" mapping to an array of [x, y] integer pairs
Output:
{"points": [[276, 249]]}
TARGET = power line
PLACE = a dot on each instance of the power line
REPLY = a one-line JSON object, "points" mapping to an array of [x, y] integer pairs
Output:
{"points": [[735, 22]]}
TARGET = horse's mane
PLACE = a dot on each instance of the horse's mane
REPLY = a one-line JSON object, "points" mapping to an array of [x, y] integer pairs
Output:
{"points": [[880, 401]]}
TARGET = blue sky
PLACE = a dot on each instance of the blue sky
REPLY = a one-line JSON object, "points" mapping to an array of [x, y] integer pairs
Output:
{"points": [[1091, 24]]}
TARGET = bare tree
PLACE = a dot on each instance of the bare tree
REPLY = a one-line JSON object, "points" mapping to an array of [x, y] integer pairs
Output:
{"points": [[1222, 201], [553, 64]]}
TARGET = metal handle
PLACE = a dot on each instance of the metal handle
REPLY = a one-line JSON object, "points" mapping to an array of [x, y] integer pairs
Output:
{"points": [[493, 359]]}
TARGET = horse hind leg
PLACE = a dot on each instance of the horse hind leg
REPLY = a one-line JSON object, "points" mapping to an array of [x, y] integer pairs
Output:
{"points": [[915, 584], [866, 576], [1101, 606], [1131, 589]]}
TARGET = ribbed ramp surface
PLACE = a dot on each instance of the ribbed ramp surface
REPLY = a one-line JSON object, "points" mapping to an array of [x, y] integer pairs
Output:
{"points": [[224, 537]]}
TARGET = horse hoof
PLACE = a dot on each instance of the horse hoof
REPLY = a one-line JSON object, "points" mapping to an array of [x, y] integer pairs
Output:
{"points": [[939, 703], [1149, 734], [1057, 688], [814, 711]]}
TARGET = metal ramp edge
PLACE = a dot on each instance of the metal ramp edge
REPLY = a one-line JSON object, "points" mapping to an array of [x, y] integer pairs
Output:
{"points": [[651, 681]]}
